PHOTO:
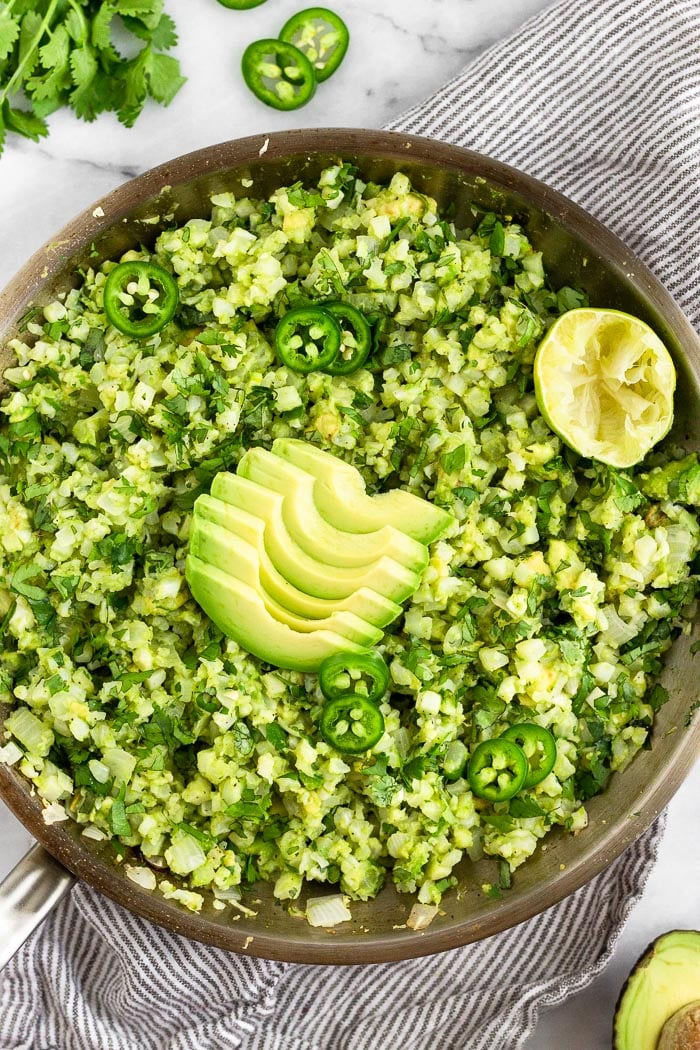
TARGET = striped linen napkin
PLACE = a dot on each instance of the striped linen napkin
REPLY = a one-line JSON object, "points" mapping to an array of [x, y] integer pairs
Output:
{"points": [[601, 100]]}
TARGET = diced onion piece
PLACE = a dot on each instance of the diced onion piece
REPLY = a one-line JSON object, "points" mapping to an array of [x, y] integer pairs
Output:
{"points": [[421, 916], [185, 855], [30, 731], [54, 814], [327, 911], [475, 852], [681, 546], [91, 832], [233, 893], [617, 632], [10, 753], [141, 876]]}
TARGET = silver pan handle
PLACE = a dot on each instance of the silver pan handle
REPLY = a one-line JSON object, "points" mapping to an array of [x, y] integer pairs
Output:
{"points": [[31, 890]]}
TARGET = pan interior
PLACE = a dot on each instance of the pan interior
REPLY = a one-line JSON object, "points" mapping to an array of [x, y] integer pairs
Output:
{"points": [[576, 252]]}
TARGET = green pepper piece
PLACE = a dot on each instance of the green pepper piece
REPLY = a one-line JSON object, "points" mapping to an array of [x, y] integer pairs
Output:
{"points": [[307, 339], [322, 36], [241, 5], [279, 74], [342, 674], [350, 320], [497, 770], [454, 761], [351, 723], [539, 746], [130, 304]]}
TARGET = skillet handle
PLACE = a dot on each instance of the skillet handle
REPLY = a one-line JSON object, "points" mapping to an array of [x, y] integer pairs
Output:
{"points": [[28, 894]]}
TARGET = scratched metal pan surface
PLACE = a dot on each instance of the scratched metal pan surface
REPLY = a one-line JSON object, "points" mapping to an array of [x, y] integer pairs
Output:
{"points": [[577, 251]]}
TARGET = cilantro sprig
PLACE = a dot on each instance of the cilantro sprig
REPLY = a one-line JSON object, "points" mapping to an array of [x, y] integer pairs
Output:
{"points": [[63, 53]]}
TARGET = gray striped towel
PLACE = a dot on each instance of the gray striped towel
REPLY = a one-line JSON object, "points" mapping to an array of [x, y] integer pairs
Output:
{"points": [[602, 100]]}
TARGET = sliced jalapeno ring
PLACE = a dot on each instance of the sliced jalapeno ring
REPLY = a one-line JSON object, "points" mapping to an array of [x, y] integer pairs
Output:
{"points": [[343, 674], [307, 339], [539, 746], [351, 723], [497, 770], [455, 760], [352, 321], [321, 35], [241, 5], [140, 298], [278, 73]]}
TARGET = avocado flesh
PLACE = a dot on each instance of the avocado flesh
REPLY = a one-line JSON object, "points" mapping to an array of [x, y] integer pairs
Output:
{"points": [[218, 547], [384, 575], [366, 603], [239, 612], [315, 535], [341, 498], [665, 979]]}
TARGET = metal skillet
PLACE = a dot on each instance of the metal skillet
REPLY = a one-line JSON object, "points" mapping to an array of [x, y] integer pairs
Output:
{"points": [[577, 251]]}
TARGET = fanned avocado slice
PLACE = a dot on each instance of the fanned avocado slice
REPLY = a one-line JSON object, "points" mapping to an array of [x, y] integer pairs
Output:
{"points": [[218, 547], [243, 500], [239, 612], [364, 602], [339, 494], [306, 526], [653, 1012]]}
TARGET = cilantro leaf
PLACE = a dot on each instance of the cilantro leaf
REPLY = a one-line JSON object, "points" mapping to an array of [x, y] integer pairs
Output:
{"points": [[9, 32], [20, 582], [24, 122], [163, 76], [64, 55], [164, 36], [453, 461]]}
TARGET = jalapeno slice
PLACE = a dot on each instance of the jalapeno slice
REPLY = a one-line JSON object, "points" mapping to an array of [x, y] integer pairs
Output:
{"points": [[307, 339], [241, 5], [140, 298], [455, 760], [278, 73], [355, 345], [322, 36], [345, 674], [351, 723], [539, 746], [497, 770]]}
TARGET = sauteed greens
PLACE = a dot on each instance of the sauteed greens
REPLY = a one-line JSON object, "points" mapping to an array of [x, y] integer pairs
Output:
{"points": [[550, 605]]}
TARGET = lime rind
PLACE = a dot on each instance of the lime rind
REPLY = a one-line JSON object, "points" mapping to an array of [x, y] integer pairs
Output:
{"points": [[604, 383]]}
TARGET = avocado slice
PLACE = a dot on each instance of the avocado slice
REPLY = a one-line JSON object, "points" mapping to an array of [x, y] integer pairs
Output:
{"points": [[217, 546], [364, 602], [340, 495], [239, 612], [665, 981], [315, 535], [384, 575]]}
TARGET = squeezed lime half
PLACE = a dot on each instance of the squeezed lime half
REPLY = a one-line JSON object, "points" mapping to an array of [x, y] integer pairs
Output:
{"points": [[604, 382]]}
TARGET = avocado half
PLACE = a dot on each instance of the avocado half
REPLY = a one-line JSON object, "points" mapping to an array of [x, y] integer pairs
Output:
{"points": [[659, 1006]]}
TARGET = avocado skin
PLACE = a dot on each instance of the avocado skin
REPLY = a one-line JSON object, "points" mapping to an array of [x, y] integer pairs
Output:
{"points": [[238, 611], [664, 979], [341, 497], [218, 547]]}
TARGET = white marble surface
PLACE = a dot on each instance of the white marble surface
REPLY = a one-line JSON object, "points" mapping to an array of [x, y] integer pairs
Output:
{"points": [[401, 51]]}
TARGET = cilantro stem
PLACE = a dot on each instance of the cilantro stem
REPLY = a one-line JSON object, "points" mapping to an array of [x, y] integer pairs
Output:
{"points": [[17, 75]]}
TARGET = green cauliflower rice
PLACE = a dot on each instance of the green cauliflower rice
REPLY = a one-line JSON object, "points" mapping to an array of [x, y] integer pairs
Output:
{"points": [[552, 600]]}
